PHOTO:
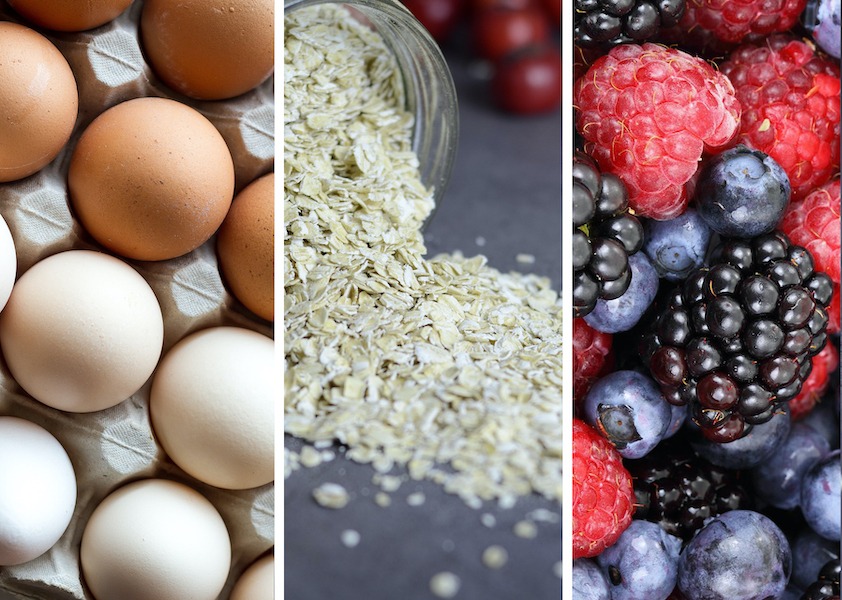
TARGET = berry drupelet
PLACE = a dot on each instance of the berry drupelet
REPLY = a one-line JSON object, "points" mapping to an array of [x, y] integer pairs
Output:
{"points": [[604, 235], [827, 585], [614, 22], [737, 337]]}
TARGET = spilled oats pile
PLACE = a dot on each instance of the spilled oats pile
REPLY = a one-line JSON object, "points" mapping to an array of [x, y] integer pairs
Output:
{"points": [[443, 366]]}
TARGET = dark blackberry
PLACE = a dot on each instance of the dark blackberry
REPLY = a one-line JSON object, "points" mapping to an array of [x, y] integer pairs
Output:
{"points": [[604, 235], [826, 586], [741, 340], [679, 490], [611, 22]]}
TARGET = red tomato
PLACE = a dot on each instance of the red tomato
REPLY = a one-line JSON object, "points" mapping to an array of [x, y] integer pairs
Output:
{"points": [[501, 31], [553, 9], [437, 16], [478, 6], [529, 81]]}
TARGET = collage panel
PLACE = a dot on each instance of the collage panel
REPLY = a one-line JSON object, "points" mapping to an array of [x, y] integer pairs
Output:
{"points": [[422, 315], [705, 280]]}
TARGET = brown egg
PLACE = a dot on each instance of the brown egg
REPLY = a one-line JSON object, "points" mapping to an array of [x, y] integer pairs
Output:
{"points": [[246, 247], [38, 101], [209, 49], [151, 179], [62, 15]]}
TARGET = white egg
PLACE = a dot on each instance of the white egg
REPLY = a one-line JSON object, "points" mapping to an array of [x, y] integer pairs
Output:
{"points": [[8, 263], [37, 491], [257, 582]]}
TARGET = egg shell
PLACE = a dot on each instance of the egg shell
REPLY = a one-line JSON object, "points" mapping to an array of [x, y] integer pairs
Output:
{"points": [[246, 247], [39, 101], [151, 179], [212, 406], [37, 491], [61, 15], [257, 582], [82, 331], [8, 263], [155, 539], [209, 49]]}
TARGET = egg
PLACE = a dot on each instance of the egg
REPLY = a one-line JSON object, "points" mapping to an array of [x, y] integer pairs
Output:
{"points": [[257, 582], [8, 262], [209, 49], [37, 491], [212, 406], [155, 539], [246, 247], [82, 331], [39, 101], [151, 179], [61, 15]]}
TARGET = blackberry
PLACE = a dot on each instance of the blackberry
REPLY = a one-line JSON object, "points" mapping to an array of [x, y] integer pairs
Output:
{"points": [[736, 340], [611, 22], [826, 586], [604, 235], [680, 491]]}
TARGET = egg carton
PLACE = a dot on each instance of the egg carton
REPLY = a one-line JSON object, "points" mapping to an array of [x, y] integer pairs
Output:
{"points": [[115, 446]]}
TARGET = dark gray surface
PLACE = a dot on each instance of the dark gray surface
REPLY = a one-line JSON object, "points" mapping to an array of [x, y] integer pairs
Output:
{"points": [[505, 188]]}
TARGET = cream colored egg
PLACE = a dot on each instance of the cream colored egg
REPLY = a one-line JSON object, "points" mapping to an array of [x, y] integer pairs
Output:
{"points": [[8, 262], [257, 582], [82, 331], [37, 491], [212, 406], [155, 539]]}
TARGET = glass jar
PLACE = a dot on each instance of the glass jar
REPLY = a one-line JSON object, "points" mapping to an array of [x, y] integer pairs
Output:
{"points": [[429, 90]]}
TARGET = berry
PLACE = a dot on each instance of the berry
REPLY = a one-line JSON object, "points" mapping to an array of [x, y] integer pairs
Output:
{"points": [[822, 18], [814, 224], [810, 552], [742, 193], [739, 554], [823, 419], [732, 21], [623, 21], [623, 313], [826, 586], [636, 127], [643, 563], [629, 410], [604, 236], [790, 107], [820, 497], [591, 351], [677, 246], [824, 363], [589, 583], [602, 492]]}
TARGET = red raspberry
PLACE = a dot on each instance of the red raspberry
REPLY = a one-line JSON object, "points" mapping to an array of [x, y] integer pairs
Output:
{"points": [[824, 363], [603, 496], [647, 114], [732, 21], [591, 350], [790, 101], [814, 224], [833, 312]]}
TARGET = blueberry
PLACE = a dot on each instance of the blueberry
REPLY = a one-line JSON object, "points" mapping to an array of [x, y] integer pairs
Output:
{"points": [[826, 27], [820, 497], [742, 193], [628, 408], [678, 414], [642, 564], [751, 449], [825, 420], [740, 554], [677, 246], [623, 313], [778, 478], [588, 581], [810, 552]]}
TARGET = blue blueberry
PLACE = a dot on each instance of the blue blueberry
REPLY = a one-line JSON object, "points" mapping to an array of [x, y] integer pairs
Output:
{"points": [[589, 583], [820, 497], [791, 593], [824, 20], [778, 478], [677, 246], [642, 564], [678, 414], [623, 313], [751, 449], [629, 409], [810, 552], [740, 554], [825, 420], [742, 193]]}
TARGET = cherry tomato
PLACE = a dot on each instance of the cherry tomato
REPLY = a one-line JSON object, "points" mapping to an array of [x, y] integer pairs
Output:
{"points": [[553, 10], [438, 16], [501, 31], [529, 81], [478, 6]]}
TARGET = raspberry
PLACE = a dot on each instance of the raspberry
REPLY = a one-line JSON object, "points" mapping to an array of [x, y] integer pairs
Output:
{"points": [[603, 496], [732, 21], [790, 101], [591, 349], [833, 311], [647, 114], [824, 363], [814, 224]]}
